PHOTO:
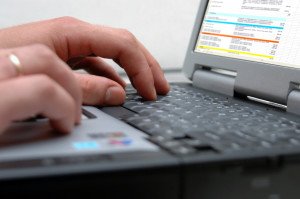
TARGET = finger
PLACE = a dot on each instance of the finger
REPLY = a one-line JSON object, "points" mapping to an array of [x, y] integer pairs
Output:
{"points": [[100, 91], [6, 68], [36, 94], [161, 85], [71, 38], [84, 39], [39, 59], [98, 66], [122, 46]]}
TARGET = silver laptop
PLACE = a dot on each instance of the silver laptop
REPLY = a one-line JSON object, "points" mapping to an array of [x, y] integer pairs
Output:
{"points": [[234, 130]]}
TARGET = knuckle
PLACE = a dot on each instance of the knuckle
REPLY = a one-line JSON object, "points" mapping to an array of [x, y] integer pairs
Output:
{"points": [[45, 86], [62, 70], [43, 52], [67, 23], [48, 89], [38, 47], [153, 62], [128, 38], [88, 84], [69, 106], [66, 20], [91, 87], [46, 57]]}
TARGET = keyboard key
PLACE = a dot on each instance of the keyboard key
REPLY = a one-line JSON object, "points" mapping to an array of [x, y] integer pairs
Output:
{"points": [[182, 150], [194, 142], [171, 144]]}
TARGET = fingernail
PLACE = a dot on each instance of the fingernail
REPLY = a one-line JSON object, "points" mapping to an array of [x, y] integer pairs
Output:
{"points": [[78, 117], [123, 83], [69, 129], [64, 126], [114, 96], [154, 93]]}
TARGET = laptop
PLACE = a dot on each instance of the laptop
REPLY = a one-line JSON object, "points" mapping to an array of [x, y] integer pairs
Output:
{"points": [[234, 132]]}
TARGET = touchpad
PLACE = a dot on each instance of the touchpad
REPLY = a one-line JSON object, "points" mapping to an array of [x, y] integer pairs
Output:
{"points": [[33, 129], [101, 135]]}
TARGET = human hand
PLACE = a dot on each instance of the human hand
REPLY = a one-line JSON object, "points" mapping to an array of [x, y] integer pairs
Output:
{"points": [[72, 41], [75, 41]]}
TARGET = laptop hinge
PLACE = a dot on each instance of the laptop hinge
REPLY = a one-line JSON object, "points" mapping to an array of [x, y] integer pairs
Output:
{"points": [[293, 102], [214, 81]]}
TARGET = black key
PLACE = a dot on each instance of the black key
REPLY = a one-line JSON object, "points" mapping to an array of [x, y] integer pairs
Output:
{"points": [[159, 139], [138, 109], [170, 144], [130, 91], [174, 133], [134, 97], [194, 142], [228, 146], [130, 104], [295, 141], [182, 150], [147, 112], [202, 135]]}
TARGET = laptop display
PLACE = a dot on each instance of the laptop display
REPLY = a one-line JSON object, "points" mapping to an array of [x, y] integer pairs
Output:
{"points": [[262, 31]]}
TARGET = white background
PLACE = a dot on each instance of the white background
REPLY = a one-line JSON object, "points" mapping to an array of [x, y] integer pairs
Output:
{"points": [[164, 26]]}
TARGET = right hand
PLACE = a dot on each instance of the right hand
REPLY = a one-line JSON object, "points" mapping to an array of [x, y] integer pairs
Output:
{"points": [[49, 87]]}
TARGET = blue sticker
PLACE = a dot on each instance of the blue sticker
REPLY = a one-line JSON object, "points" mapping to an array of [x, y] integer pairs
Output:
{"points": [[86, 145], [127, 141]]}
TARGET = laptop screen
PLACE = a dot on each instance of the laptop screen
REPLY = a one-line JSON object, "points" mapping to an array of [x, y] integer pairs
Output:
{"points": [[257, 30]]}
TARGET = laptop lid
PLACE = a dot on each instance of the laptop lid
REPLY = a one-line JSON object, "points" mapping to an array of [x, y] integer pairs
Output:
{"points": [[259, 41]]}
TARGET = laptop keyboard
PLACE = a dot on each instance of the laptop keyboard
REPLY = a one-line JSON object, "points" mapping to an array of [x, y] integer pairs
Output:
{"points": [[189, 120]]}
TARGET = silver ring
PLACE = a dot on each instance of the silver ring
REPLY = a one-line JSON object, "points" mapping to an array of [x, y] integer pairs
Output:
{"points": [[17, 64]]}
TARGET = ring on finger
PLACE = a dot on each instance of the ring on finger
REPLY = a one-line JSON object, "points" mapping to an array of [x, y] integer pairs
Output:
{"points": [[16, 63]]}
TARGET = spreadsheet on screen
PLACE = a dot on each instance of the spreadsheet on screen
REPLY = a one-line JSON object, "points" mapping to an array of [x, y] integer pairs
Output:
{"points": [[257, 30]]}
